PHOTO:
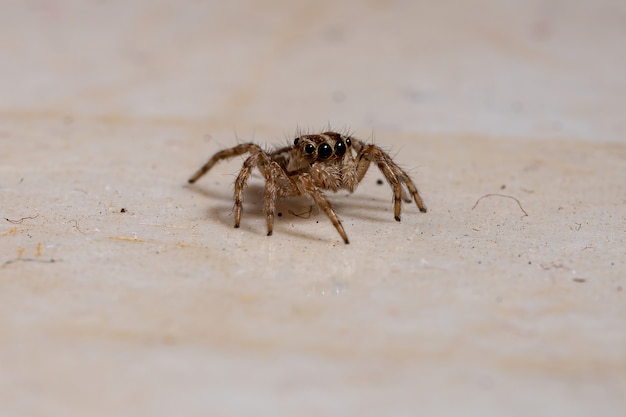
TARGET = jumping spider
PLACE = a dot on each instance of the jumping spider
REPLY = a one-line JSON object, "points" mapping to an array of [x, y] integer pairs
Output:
{"points": [[314, 163]]}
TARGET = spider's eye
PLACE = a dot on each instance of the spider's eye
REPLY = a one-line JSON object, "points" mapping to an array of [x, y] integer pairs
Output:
{"points": [[324, 151], [296, 140], [340, 149], [348, 142], [309, 148]]}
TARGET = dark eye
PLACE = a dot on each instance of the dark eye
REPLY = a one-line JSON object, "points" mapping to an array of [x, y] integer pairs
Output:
{"points": [[309, 148], [324, 151], [296, 140], [348, 142], [340, 149]]}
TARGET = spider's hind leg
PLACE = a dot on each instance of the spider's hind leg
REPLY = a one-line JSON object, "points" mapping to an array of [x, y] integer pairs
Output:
{"points": [[224, 154]]}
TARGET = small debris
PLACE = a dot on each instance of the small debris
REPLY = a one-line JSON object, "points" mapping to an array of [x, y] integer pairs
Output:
{"points": [[505, 196], [303, 215], [22, 219], [379, 182], [579, 280], [123, 210], [279, 214], [77, 227], [553, 265]]}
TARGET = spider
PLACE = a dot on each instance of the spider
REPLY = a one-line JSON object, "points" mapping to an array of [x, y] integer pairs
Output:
{"points": [[313, 164]]}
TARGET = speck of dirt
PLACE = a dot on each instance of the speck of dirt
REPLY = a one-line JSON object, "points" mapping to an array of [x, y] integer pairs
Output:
{"points": [[379, 182], [280, 214], [579, 280], [123, 210]]}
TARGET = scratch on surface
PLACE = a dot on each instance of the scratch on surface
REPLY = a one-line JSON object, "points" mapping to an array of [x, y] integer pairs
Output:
{"points": [[20, 253], [127, 239], [171, 226], [153, 241], [41, 261]]}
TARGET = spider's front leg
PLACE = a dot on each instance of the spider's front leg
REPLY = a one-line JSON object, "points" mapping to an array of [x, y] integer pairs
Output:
{"points": [[224, 154], [306, 186], [395, 175]]}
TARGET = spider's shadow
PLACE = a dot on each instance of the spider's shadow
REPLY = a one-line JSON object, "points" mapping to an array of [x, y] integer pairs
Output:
{"points": [[295, 209]]}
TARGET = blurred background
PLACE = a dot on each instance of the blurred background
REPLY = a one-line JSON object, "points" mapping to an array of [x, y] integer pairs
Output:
{"points": [[499, 67]]}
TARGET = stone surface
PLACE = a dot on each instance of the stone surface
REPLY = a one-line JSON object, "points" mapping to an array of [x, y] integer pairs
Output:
{"points": [[123, 291]]}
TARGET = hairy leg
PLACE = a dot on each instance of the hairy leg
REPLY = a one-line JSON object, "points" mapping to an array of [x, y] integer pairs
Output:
{"points": [[225, 154], [307, 187], [396, 176], [240, 184], [275, 180]]}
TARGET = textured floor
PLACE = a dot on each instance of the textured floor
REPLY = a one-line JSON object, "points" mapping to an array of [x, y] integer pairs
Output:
{"points": [[124, 291]]}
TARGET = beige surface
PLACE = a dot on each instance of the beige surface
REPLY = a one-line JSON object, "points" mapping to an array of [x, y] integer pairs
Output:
{"points": [[166, 309]]}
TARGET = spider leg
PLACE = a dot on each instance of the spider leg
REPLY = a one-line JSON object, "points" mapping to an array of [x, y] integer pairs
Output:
{"points": [[241, 181], [408, 182], [224, 154], [396, 176], [307, 187], [272, 172]]}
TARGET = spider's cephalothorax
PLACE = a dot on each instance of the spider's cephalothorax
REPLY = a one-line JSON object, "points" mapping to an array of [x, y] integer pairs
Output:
{"points": [[314, 163]]}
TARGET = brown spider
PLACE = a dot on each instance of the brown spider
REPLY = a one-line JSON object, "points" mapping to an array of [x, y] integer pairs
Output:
{"points": [[314, 163]]}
